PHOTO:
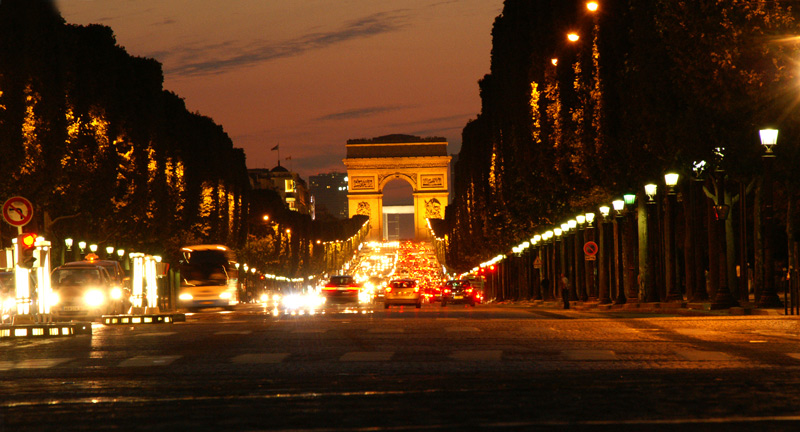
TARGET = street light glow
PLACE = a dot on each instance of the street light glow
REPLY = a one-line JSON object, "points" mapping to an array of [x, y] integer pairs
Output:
{"points": [[671, 179], [592, 6], [769, 137], [573, 37]]}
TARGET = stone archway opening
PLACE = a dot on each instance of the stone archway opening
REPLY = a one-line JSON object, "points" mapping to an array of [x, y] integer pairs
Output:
{"points": [[421, 162], [398, 210]]}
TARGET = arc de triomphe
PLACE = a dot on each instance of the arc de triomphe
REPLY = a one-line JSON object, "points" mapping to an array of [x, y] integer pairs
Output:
{"points": [[422, 162]]}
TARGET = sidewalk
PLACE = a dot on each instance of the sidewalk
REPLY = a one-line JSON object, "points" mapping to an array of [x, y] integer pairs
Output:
{"points": [[678, 308]]}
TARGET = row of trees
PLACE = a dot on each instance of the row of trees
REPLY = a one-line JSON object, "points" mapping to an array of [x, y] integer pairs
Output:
{"points": [[651, 86]]}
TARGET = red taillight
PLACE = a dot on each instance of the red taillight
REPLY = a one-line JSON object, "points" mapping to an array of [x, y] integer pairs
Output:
{"points": [[469, 291], [416, 289], [446, 291]]}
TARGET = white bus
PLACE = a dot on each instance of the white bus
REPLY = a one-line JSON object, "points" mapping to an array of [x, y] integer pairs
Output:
{"points": [[209, 278]]}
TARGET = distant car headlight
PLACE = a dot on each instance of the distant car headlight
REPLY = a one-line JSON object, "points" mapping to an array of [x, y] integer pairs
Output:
{"points": [[94, 298], [54, 298], [225, 295], [116, 293], [185, 296], [264, 298]]}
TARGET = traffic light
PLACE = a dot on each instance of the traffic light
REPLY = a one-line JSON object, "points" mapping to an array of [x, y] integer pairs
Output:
{"points": [[26, 243]]}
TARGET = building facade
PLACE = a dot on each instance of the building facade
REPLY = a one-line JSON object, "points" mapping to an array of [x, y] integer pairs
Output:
{"points": [[289, 185], [329, 192]]}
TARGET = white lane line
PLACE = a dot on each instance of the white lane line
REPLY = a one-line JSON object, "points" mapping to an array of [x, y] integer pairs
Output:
{"points": [[477, 355], [157, 334], [223, 333], [589, 354], [33, 364], [144, 361], [462, 329], [367, 356], [386, 330], [260, 358], [695, 355], [794, 355]]}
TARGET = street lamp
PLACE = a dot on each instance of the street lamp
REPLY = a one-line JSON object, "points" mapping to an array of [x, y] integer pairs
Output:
{"points": [[769, 297], [573, 37], [68, 243], [592, 6], [650, 190], [619, 206], [670, 270], [82, 246], [603, 292], [109, 251], [120, 253], [93, 248]]}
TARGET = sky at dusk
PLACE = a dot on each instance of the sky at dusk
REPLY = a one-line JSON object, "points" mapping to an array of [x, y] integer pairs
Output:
{"points": [[311, 74]]}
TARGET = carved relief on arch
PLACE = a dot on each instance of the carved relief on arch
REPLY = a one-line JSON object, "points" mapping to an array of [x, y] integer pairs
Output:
{"points": [[363, 209], [386, 178], [433, 209]]}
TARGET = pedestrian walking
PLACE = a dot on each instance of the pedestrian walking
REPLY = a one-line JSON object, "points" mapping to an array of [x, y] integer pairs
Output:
{"points": [[565, 290]]}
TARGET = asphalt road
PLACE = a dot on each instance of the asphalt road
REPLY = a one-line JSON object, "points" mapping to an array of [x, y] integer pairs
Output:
{"points": [[455, 368]]}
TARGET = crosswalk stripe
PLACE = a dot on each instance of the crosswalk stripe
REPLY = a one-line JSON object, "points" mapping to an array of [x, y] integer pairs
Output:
{"points": [[477, 355], [260, 358], [144, 361], [589, 355], [367, 356], [32, 364], [462, 329], [156, 334], [695, 355]]}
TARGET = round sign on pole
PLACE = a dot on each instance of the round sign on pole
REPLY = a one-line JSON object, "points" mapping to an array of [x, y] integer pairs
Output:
{"points": [[590, 248], [17, 211]]}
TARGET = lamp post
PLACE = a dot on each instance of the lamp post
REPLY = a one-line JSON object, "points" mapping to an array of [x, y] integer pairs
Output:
{"points": [[68, 243], [603, 296], [576, 276], [651, 240], [629, 235], [549, 258], [723, 299], [591, 286], [769, 297], [619, 286], [576, 225], [559, 262], [670, 268]]}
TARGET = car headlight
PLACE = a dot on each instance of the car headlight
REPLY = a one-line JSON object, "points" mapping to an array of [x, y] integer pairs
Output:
{"points": [[185, 296], [9, 303], [225, 295], [264, 298], [116, 293], [54, 298], [94, 298]]}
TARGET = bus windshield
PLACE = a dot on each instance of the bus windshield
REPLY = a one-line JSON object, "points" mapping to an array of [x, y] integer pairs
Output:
{"points": [[204, 267]]}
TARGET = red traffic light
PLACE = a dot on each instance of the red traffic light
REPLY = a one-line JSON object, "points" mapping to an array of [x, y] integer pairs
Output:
{"points": [[27, 240]]}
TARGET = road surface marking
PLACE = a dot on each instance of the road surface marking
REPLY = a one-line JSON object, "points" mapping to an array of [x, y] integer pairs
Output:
{"points": [[156, 334], [486, 355], [33, 364], [386, 330], [695, 355], [462, 329], [309, 330], [794, 355], [261, 358], [243, 332], [140, 361], [367, 356], [589, 354]]}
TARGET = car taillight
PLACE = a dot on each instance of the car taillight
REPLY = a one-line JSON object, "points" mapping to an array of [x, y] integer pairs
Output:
{"points": [[469, 291], [416, 289], [388, 289], [446, 291]]}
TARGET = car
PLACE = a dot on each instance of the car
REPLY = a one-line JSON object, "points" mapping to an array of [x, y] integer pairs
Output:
{"points": [[402, 291], [83, 290], [342, 289], [460, 291], [432, 293], [377, 285], [115, 272]]}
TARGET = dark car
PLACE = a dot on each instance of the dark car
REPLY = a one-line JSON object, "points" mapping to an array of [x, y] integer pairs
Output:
{"points": [[341, 289], [432, 293], [460, 291]]}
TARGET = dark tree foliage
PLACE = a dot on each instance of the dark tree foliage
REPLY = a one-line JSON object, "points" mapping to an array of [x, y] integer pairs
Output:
{"points": [[651, 86]]}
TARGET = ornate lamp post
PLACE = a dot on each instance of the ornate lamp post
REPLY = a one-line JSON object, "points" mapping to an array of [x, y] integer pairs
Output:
{"points": [[723, 299], [651, 240], [559, 261], [670, 271], [769, 297], [110, 252], [580, 260], [603, 256], [629, 236], [576, 275], [619, 206], [591, 291]]}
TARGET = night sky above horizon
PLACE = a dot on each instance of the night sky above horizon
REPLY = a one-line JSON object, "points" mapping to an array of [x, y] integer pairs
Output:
{"points": [[311, 74]]}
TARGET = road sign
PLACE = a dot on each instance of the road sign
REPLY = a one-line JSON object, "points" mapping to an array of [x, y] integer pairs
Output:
{"points": [[537, 263], [590, 249], [17, 211]]}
